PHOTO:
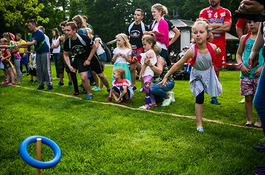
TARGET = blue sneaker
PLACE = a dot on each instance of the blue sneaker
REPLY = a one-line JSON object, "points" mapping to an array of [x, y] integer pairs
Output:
{"points": [[200, 129], [96, 89], [70, 84], [40, 88], [89, 97], [49, 88], [214, 101], [60, 84]]}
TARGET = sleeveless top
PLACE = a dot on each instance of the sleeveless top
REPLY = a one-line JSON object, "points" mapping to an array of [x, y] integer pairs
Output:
{"points": [[158, 78], [203, 76]]}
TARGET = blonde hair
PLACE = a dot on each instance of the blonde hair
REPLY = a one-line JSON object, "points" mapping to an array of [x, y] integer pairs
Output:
{"points": [[150, 39], [157, 48], [4, 40], [161, 8], [125, 38], [207, 26], [120, 71]]}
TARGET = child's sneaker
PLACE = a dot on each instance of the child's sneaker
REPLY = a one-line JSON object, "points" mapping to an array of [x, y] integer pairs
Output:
{"points": [[12, 84], [109, 99], [49, 88], [126, 101], [89, 97], [144, 107], [70, 84], [214, 101], [200, 129], [5, 82], [60, 83], [141, 89], [152, 105], [30, 81], [36, 81], [134, 88], [167, 101], [75, 93], [259, 148]]}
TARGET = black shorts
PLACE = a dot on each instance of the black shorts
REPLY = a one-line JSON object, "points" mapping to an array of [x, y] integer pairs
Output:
{"points": [[32, 71], [96, 64], [61, 64], [7, 65], [80, 65]]}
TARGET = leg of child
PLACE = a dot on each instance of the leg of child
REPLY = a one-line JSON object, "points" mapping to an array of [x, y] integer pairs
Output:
{"points": [[147, 84], [85, 82], [95, 78], [116, 93], [248, 108], [198, 109], [8, 77], [101, 82], [104, 80], [11, 74]]}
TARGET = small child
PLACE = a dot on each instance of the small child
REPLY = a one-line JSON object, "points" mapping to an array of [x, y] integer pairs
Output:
{"points": [[32, 67], [121, 89], [122, 54], [203, 77], [6, 60], [149, 42], [249, 78]]}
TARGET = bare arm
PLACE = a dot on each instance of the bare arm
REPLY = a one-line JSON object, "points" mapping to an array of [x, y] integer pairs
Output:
{"points": [[254, 55], [67, 61], [250, 7], [25, 45], [8, 55], [177, 34], [239, 32], [221, 28], [92, 52], [158, 69], [239, 53]]}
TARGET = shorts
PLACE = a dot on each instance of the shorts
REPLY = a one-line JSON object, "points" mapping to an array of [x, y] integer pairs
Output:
{"points": [[248, 86], [136, 53], [96, 64], [79, 63], [32, 71], [61, 64], [120, 89], [24, 60], [7, 65], [221, 57], [103, 57]]}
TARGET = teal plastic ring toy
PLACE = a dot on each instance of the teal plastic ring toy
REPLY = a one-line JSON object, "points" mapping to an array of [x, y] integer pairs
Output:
{"points": [[35, 163]]}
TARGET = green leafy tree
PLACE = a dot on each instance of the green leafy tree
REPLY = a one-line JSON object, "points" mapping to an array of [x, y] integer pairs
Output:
{"points": [[18, 12]]}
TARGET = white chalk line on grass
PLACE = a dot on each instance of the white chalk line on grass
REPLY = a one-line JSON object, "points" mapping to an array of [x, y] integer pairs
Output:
{"points": [[137, 109]]}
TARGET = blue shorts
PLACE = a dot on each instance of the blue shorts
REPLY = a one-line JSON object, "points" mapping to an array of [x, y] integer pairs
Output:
{"points": [[103, 57]]}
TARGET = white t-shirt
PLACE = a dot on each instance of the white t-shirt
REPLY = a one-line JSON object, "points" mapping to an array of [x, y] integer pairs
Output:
{"points": [[57, 49], [148, 70], [100, 50], [126, 52]]}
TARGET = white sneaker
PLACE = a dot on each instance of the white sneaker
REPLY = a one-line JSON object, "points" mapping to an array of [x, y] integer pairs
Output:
{"points": [[144, 107], [171, 93], [167, 102]]}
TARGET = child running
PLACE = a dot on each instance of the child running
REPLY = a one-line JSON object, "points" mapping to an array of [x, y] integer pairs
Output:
{"points": [[149, 42], [203, 76], [6, 60], [249, 78], [122, 54], [121, 89]]}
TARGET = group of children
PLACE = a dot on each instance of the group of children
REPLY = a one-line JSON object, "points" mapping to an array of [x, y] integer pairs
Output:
{"points": [[203, 76]]}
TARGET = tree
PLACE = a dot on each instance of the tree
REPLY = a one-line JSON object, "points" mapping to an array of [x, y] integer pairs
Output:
{"points": [[18, 12]]}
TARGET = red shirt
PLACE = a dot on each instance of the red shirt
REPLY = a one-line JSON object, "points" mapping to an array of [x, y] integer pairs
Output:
{"points": [[241, 23], [4, 54], [123, 82], [220, 15]]}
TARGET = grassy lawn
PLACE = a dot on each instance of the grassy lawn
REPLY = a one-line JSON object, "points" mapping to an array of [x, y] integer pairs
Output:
{"points": [[99, 137]]}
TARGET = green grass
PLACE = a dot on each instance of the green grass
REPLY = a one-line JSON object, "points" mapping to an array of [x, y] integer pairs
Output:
{"points": [[97, 137]]}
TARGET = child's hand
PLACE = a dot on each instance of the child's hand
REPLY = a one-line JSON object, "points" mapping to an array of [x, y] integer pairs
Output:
{"points": [[163, 82], [244, 70], [118, 100], [218, 50], [258, 71]]}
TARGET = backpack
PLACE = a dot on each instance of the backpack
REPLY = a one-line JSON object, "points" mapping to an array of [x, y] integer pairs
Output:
{"points": [[106, 49], [210, 49]]}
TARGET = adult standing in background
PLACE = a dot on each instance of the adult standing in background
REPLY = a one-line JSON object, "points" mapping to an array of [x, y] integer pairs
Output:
{"points": [[46, 37], [23, 53], [37, 39], [220, 20], [160, 28], [135, 32], [55, 46], [87, 24]]}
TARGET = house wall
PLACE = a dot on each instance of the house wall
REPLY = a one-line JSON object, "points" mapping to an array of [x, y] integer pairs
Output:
{"points": [[185, 37]]}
